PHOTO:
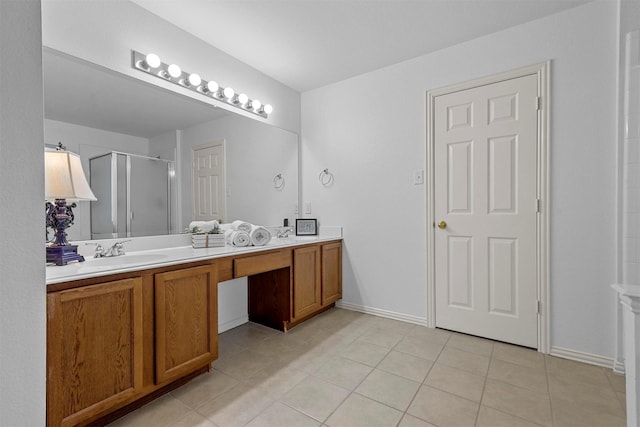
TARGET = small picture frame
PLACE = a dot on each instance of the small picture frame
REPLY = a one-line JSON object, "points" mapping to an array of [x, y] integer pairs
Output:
{"points": [[306, 227]]}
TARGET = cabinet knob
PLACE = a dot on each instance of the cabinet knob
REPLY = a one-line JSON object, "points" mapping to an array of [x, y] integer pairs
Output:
{"points": [[442, 224]]}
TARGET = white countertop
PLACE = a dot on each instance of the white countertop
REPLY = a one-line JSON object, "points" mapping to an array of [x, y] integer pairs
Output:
{"points": [[162, 257]]}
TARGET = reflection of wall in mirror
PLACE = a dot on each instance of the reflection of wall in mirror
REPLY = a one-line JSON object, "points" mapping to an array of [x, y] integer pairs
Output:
{"points": [[255, 154], [89, 142]]}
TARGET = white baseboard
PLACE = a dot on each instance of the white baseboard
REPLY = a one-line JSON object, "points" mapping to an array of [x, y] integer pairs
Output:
{"points": [[580, 356], [618, 367], [382, 313], [233, 323]]}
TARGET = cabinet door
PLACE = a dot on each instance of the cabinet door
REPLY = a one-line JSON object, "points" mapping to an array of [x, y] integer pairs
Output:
{"points": [[331, 273], [306, 281], [94, 350], [186, 321]]}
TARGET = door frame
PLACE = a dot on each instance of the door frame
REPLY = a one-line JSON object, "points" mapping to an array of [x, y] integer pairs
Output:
{"points": [[541, 71]]}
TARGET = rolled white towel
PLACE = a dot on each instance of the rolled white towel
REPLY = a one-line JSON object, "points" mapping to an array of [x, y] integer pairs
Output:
{"points": [[238, 238], [204, 226], [225, 227], [260, 236], [241, 225]]}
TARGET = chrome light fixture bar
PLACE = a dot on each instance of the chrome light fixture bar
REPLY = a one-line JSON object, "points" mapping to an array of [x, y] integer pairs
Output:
{"points": [[151, 64]]}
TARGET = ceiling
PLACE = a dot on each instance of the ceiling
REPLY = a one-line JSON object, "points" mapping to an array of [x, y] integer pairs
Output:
{"points": [[306, 44]]}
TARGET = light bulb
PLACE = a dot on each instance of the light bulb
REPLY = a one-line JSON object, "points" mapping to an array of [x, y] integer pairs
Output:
{"points": [[152, 60], [194, 80], [268, 109], [243, 98], [228, 92], [212, 87], [174, 71], [255, 104]]}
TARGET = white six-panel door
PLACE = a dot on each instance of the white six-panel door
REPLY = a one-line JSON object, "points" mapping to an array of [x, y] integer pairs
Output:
{"points": [[485, 148], [208, 182]]}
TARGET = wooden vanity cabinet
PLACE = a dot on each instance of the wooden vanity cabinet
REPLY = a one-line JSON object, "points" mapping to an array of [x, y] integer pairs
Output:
{"points": [[307, 290], [186, 321], [331, 273], [317, 279], [94, 350]]}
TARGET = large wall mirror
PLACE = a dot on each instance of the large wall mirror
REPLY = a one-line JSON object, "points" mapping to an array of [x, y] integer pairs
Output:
{"points": [[99, 114]]}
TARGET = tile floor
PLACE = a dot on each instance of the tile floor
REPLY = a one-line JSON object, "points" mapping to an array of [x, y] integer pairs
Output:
{"points": [[344, 368]]}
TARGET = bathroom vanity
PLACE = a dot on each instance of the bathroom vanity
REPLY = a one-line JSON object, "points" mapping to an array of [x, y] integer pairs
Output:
{"points": [[124, 332]]}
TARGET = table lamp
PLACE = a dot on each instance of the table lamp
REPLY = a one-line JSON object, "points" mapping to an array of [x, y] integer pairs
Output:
{"points": [[63, 179]]}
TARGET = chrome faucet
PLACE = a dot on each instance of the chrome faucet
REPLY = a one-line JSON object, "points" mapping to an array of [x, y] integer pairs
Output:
{"points": [[115, 250], [284, 232]]}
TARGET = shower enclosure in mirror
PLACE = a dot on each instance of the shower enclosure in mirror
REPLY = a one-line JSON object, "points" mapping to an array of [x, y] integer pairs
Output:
{"points": [[134, 195]]}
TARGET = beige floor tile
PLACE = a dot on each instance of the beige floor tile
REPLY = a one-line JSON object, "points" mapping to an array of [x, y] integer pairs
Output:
{"points": [[471, 344], [363, 352], [455, 381], [315, 398], [520, 402], [206, 387], [411, 421], [242, 365], [443, 409], [163, 412], [600, 398], [406, 365], [343, 372], [570, 414], [236, 407], [280, 415], [530, 378], [382, 337], [576, 372], [248, 334], [393, 325], [420, 347], [474, 363], [389, 389], [277, 379], [433, 335], [358, 411], [617, 381], [489, 417], [193, 419], [518, 355]]}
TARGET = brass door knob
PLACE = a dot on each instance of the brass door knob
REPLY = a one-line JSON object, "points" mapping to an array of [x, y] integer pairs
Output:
{"points": [[442, 224]]}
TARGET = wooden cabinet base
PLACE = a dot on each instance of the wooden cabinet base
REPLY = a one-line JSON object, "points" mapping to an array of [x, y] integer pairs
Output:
{"points": [[119, 413]]}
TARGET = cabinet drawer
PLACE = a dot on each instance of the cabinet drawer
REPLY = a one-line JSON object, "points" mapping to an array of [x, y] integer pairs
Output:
{"points": [[251, 265]]}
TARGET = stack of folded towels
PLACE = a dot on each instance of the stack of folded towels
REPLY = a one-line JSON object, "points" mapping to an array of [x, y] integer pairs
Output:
{"points": [[241, 233], [238, 233]]}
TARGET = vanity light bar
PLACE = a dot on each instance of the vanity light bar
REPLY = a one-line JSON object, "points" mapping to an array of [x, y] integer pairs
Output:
{"points": [[151, 64]]}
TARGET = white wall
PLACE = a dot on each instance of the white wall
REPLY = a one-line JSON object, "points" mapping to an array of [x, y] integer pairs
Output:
{"points": [[370, 131], [89, 142], [254, 155], [105, 32], [22, 259]]}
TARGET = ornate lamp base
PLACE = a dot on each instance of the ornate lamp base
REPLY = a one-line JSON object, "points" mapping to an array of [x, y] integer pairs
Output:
{"points": [[61, 255]]}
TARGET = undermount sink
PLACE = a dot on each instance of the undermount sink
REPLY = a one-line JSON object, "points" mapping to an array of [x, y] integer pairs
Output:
{"points": [[128, 259]]}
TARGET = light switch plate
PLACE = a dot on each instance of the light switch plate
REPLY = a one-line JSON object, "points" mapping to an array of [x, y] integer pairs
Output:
{"points": [[307, 208]]}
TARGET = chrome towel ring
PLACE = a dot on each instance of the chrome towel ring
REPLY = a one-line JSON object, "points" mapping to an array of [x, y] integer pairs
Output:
{"points": [[278, 182], [325, 177]]}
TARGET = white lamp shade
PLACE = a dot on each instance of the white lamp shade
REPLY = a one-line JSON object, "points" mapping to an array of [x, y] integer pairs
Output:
{"points": [[64, 177]]}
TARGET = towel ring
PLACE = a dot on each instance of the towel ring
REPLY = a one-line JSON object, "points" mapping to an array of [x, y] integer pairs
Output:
{"points": [[278, 182], [325, 177]]}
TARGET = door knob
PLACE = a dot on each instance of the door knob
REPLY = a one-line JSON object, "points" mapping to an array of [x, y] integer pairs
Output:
{"points": [[442, 224]]}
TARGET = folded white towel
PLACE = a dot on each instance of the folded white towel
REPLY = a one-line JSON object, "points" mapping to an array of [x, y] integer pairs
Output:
{"points": [[241, 225], [260, 236], [204, 226], [238, 238]]}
